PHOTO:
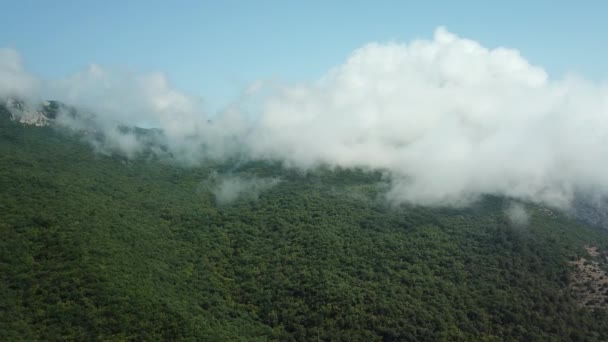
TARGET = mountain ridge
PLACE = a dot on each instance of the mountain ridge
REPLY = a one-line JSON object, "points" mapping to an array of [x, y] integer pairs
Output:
{"points": [[587, 208]]}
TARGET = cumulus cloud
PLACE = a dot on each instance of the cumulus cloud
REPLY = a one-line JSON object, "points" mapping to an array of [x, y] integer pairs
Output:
{"points": [[14, 79], [450, 119], [447, 118], [132, 98]]}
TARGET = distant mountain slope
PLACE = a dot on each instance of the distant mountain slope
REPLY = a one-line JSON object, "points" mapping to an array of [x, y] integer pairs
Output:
{"points": [[592, 210], [99, 247]]}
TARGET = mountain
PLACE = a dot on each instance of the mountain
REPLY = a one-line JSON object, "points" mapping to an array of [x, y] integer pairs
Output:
{"points": [[64, 117], [101, 247], [20, 111]]}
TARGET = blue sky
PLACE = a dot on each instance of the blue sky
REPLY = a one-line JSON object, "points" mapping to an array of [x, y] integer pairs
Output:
{"points": [[214, 49]]}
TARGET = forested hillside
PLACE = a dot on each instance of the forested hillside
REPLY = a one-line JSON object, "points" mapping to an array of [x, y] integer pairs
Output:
{"points": [[100, 247]]}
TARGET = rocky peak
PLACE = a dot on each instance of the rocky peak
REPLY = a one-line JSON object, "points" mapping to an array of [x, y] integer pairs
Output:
{"points": [[22, 112], [42, 115]]}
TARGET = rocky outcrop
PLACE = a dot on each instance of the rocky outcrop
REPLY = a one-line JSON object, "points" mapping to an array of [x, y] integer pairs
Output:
{"points": [[43, 114], [20, 111], [589, 283]]}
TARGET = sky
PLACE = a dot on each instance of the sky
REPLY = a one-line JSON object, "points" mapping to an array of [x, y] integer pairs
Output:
{"points": [[451, 100], [216, 49]]}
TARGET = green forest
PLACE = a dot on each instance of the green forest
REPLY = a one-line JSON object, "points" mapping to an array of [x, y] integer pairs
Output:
{"points": [[100, 247]]}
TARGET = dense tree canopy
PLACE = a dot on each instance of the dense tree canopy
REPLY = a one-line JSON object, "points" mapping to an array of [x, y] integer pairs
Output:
{"points": [[97, 247]]}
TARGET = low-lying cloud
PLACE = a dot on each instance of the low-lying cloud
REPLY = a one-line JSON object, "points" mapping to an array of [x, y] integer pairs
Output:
{"points": [[517, 215], [447, 118], [229, 188], [14, 80]]}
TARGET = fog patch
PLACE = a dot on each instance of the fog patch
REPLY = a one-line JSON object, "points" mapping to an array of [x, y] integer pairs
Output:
{"points": [[229, 188], [517, 215]]}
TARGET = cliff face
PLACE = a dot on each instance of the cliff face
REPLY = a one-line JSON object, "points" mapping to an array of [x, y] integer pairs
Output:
{"points": [[35, 114], [22, 112]]}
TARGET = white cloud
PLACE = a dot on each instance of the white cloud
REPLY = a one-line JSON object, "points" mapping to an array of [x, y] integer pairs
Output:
{"points": [[118, 95], [447, 118], [229, 188], [14, 80]]}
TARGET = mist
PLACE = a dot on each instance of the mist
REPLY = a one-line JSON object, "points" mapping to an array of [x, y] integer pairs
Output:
{"points": [[229, 188], [447, 119], [517, 215]]}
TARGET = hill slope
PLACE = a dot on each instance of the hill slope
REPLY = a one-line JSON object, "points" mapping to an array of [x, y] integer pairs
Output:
{"points": [[99, 247]]}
